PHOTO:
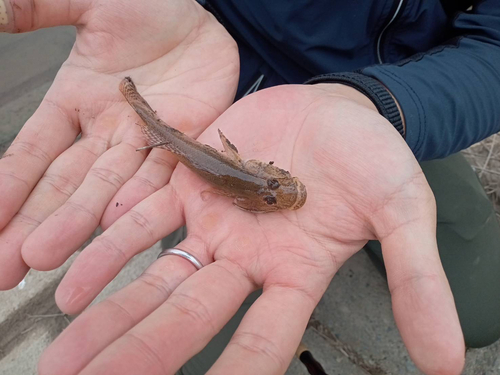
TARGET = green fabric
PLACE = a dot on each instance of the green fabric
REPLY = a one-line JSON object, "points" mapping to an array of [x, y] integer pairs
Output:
{"points": [[468, 236]]}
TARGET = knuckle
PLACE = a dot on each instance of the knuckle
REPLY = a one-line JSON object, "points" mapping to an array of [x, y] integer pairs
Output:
{"points": [[164, 162], [297, 289], [111, 247], [26, 219], [147, 352], [146, 182], [119, 309], [132, 145], [143, 223], [406, 285], [17, 179], [88, 149], [192, 307], [309, 295], [80, 208], [260, 345], [108, 176], [31, 150], [238, 273], [156, 282], [93, 144], [60, 184]]}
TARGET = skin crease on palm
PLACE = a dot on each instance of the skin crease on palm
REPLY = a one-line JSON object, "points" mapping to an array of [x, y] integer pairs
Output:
{"points": [[363, 183]]}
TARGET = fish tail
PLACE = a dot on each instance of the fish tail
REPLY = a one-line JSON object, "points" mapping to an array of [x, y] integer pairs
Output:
{"points": [[154, 129]]}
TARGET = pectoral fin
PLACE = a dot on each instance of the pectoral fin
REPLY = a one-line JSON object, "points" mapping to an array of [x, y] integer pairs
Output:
{"points": [[251, 205], [231, 150], [214, 190], [152, 146], [205, 194]]}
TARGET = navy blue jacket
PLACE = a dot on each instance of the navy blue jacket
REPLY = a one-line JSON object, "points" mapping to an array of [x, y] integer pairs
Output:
{"points": [[439, 58]]}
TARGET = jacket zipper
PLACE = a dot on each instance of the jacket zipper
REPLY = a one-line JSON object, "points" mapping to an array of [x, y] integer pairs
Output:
{"points": [[397, 12]]}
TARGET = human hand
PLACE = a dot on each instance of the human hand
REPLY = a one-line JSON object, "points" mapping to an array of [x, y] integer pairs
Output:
{"points": [[54, 190], [363, 183]]}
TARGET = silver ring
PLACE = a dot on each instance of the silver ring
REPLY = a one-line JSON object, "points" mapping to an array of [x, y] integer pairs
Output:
{"points": [[183, 254]]}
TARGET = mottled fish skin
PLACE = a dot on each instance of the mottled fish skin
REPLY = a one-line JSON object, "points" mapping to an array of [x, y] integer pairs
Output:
{"points": [[256, 186]]}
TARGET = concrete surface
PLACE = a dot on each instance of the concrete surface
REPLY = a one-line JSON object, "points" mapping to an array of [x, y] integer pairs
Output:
{"points": [[352, 331]]}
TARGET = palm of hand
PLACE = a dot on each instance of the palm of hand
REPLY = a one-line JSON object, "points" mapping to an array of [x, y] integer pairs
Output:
{"points": [[357, 190], [185, 64], [178, 62], [348, 188], [283, 125]]}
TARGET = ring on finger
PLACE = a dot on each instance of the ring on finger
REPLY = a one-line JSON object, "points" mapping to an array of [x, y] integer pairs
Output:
{"points": [[183, 254]]}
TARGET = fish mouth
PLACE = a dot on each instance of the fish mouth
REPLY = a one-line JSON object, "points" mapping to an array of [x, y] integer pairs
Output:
{"points": [[301, 195]]}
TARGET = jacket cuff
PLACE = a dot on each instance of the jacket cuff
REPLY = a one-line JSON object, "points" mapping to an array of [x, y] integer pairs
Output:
{"points": [[371, 88], [411, 105]]}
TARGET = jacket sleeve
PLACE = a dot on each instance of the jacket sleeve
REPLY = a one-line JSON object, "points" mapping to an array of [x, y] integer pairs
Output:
{"points": [[450, 96]]}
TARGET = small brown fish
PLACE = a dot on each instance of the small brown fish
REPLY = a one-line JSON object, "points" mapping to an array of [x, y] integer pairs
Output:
{"points": [[255, 185]]}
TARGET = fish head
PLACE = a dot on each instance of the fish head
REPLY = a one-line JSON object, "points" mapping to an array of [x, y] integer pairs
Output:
{"points": [[280, 191]]}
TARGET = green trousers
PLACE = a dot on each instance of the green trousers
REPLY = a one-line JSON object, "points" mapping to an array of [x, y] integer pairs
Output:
{"points": [[468, 236]]}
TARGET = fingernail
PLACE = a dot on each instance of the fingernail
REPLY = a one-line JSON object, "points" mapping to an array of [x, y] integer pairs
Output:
{"points": [[74, 296]]}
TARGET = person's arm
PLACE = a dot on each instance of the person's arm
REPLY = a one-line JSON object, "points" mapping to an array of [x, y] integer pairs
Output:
{"points": [[449, 96]]}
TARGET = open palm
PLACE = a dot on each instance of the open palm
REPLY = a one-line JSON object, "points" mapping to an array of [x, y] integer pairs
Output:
{"points": [[362, 182], [186, 65]]}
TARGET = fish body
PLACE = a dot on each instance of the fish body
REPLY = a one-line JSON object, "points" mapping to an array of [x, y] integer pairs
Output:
{"points": [[256, 186]]}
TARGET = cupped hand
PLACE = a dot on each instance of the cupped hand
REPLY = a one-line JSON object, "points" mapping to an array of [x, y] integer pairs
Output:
{"points": [[56, 187], [363, 183]]}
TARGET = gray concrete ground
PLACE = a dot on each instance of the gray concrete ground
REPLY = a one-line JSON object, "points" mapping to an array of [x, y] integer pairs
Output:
{"points": [[352, 331]]}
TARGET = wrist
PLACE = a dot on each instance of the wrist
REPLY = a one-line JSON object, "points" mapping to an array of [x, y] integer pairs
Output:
{"points": [[372, 89], [339, 89]]}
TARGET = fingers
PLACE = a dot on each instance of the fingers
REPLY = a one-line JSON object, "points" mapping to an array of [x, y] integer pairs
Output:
{"points": [[153, 174], [103, 323], [59, 182], [269, 334], [28, 15], [137, 230], [181, 327], [422, 301], [61, 234], [46, 135]]}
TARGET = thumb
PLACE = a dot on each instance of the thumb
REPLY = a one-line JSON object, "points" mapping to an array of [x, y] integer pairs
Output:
{"points": [[422, 300], [17, 16]]}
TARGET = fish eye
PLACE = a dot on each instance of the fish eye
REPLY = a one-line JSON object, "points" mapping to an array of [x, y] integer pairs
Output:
{"points": [[270, 200], [273, 184]]}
